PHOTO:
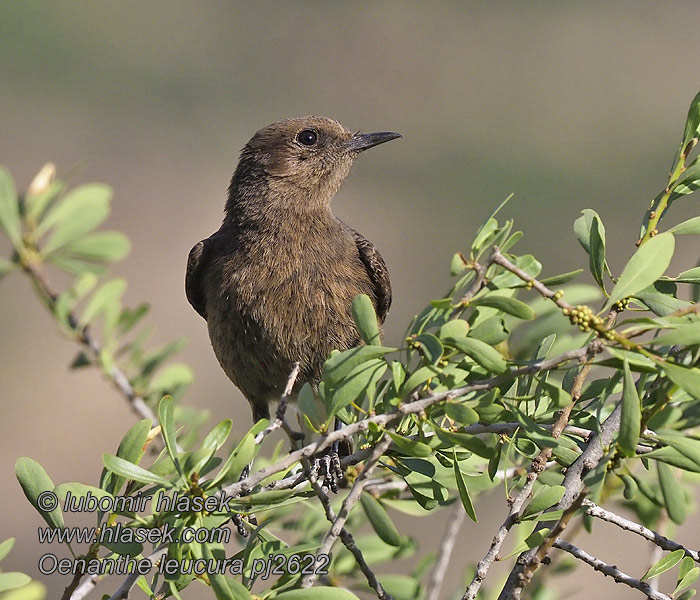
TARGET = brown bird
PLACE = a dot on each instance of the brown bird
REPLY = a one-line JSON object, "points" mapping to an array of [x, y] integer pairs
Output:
{"points": [[276, 282]]}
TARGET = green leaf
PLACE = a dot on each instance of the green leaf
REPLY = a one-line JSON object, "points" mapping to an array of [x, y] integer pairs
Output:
{"points": [[79, 490], [171, 378], [631, 487], [410, 447], [156, 357], [692, 122], [6, 547], [6, 266], [631, 419], [34, 482], [108, 246], [482, 353], [380, 520], [131, 449], [321, 592], [482, 235], [167, 425], [472, 443], [431, 347], [687, 183], [582, 228], [220, 584], [511, 306], [9, 208], [561, 279], [686, 445], [660, 303], [273, 497], [340, 364], [106, 298], [457, 265], [12, 580], [546, 496], [131, 471], [667, 562], [461, 413], [80, 211], [455, 329], [241, 456], [527, 263], [418, 377], [217, 436], [358, 382], [401, 587], [308, 405], [689, 227], [491, 331], [673, 457], [531, 541], [366, 319], [686, 335], [647, 264], [688, 276], [590, 231], [674, 498], [687, 378], [560, 397], [687, 574], [462, 487]]}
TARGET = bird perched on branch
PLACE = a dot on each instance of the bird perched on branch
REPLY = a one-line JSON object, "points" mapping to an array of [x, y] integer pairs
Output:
{"points": [[276, 282]]}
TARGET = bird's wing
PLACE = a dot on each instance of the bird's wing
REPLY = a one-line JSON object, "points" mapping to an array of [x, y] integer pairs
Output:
{"points": [[377, 271], [194, 279]]}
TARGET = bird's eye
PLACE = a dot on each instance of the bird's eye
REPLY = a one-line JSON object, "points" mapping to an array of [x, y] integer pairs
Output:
{"points": [[307, 137]]}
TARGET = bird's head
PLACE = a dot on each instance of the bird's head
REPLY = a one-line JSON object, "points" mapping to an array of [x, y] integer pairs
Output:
{"points": [[298, 163]]}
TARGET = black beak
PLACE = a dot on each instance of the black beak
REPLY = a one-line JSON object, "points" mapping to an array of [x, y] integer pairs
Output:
{"points": [[362, 141]]}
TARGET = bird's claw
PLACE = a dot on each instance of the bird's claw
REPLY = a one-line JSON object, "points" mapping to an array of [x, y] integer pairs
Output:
{"points": [[328, 468]]}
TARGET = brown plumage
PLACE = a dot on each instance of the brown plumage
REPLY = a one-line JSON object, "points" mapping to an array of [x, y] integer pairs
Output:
{"points": [[276, 282]]}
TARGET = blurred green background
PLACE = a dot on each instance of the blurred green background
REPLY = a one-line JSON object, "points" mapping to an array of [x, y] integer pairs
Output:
{"points": [[568, 105]]}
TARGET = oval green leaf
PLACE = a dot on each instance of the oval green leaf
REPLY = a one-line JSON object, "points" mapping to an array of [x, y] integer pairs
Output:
{"points": [[131, 471], [34, 480], [9, 208], [664, 564], [380, 520], [508, 305], [647, 264], [366, 319], [482, 353], [631, 420], [547, 496]]}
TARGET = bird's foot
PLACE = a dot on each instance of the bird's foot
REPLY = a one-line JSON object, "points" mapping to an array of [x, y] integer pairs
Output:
{"points": [[328, 469], [237, 518]]}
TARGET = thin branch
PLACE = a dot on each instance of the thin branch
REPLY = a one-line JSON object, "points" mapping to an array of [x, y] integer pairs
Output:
{"points": [[282, 406], [85, 587], [546, 545], [86, 339], [437, 576], [350, 501], [555, 297], [656, 538], [610, 570], [485, 563]]}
